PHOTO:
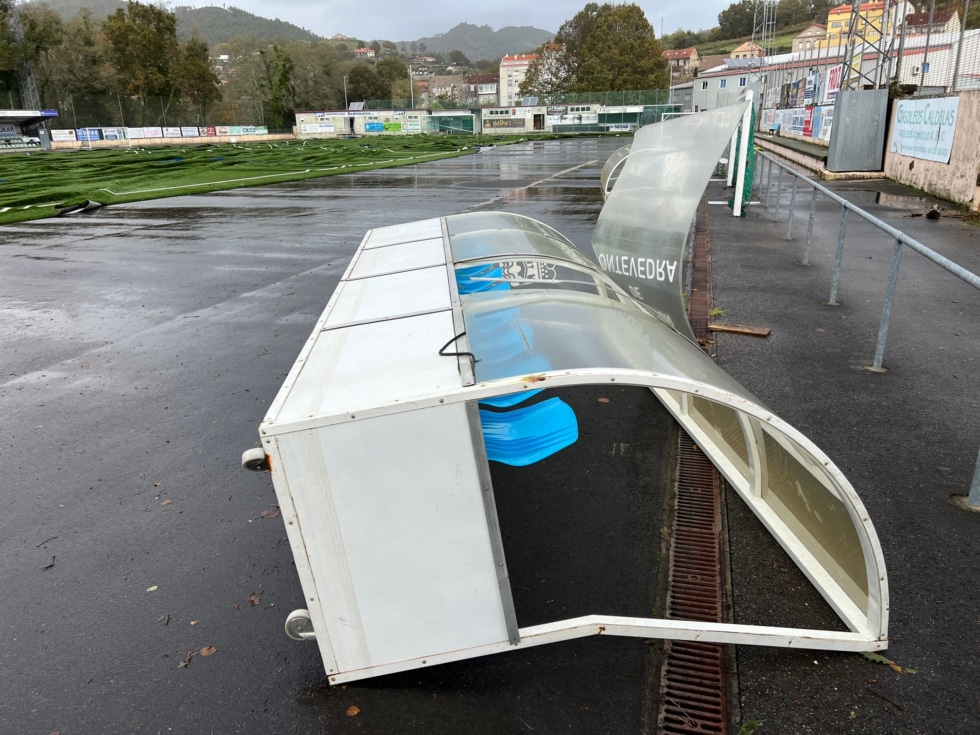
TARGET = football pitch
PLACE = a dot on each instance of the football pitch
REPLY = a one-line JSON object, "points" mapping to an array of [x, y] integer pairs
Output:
{"points": [[38, 184]]}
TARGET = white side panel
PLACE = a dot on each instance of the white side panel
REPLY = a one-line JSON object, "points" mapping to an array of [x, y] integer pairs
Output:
{"points": [[402, 257], [425, 229], [395, 529], [391, 296], [372, 365]]}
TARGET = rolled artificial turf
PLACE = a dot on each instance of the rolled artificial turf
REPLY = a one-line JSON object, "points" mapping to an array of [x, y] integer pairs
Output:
{"points": [[37, 184]]}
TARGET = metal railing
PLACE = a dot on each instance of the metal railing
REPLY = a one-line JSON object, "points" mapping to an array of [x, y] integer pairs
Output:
{"points": [[901, 242]]}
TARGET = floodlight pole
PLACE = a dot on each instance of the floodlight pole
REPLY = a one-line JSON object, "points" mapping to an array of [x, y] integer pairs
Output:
{"points": [[346, 106]]}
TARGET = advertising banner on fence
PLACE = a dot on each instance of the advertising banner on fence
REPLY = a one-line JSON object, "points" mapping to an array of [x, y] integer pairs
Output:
{"points": [[316, 128], [210, 131], [171, 132], [412, 127], [63, 136], [152, 132], [374, 127], [84, 134], [114, 133], [924, 128], [834, 75], [393, 127], [189, 132]]}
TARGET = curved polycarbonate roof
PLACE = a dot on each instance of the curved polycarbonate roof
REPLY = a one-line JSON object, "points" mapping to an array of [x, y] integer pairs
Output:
{"points": [[551, 316]]}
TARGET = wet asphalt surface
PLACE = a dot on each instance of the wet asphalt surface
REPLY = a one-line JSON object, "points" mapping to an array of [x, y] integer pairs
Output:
{"points": [[141, 348]]}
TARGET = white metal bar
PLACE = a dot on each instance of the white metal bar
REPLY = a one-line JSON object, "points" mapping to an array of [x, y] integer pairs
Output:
{"points": [[677, 630], [743, 154]]}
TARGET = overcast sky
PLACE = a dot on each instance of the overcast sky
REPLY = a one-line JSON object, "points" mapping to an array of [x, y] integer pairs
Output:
{"points": [[402, 20]]}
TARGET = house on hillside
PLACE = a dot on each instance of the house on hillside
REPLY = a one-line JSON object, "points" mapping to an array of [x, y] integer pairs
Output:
{"points": [[482, 89], [683, 62], [943, 21], [747, 50], [451, 88], [809, 38], [711, 62], [513, 70], [364, 53]]}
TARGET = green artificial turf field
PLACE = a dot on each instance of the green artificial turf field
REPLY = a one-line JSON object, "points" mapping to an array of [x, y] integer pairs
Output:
{"points": [[36, 184]]}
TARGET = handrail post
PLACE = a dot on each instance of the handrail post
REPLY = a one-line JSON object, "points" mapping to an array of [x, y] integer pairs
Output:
{"points": [[809, 227], [779, 180], [839, 258], [768, 181], [973, 500], [886, 312], [792, 205]]}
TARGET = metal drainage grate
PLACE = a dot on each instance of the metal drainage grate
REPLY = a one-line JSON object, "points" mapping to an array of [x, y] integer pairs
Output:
{"points": [[692, 682], [693, 693]]}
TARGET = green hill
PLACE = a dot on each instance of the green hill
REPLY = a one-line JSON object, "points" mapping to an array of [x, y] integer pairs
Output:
{"points": [[213, 24], [482, 42]]}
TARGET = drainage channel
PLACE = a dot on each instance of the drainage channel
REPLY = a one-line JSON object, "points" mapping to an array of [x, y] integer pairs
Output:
{"points": [[693, 680]]}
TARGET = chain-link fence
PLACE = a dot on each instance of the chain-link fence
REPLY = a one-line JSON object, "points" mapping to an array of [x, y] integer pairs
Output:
{"points": [[938, 49], [116, 110]]}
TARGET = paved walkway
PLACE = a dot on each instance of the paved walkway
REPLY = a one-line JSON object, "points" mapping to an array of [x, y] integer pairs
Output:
{"points": [[906, 439]]}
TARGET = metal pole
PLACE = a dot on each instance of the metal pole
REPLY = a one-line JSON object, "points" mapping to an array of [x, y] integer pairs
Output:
{"points": [[122, 120], [925, 54], [768, 181], [959, 46], [792, 204], [974, 498], [346, 104], [886, 312], [743, 151], [809, 228], [730, 174], [839, 258], [779, 180], [163, 112]]}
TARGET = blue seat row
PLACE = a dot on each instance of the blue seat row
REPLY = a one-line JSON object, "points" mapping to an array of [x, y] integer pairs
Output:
{"points": [[520, 436]]}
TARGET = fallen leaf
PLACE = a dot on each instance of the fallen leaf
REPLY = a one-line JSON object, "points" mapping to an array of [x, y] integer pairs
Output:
{"points": [[271, 513], [208, 650], [166, 502], [254, 599], [878, 659], [819, 329], [603, 400], [154, 588], [187, 660], [353, 711], [237, 606], [193, 622]]}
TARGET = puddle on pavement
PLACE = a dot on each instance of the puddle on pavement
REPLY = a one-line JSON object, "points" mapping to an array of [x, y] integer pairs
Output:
{"points": [[902, 201]]}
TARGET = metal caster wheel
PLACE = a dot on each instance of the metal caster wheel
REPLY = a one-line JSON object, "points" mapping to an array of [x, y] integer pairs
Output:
{"points": [[255, 460], [299, 627]]}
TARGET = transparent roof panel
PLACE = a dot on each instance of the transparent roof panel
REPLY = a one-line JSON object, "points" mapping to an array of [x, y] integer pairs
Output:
{"points": [[520, 331], [642, 230]]}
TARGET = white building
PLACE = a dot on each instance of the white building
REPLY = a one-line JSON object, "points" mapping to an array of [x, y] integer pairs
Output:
{"points": [[513, 69]]}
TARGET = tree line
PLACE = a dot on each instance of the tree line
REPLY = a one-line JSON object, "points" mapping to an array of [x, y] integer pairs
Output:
{"points": [[602, 48], [131, 68]]}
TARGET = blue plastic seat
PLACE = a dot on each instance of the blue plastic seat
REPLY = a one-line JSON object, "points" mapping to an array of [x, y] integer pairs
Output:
{"points": [[477, 278], [528, 435]]}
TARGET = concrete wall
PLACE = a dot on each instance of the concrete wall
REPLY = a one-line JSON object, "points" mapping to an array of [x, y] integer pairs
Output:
{"points": [[956, 180]]}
